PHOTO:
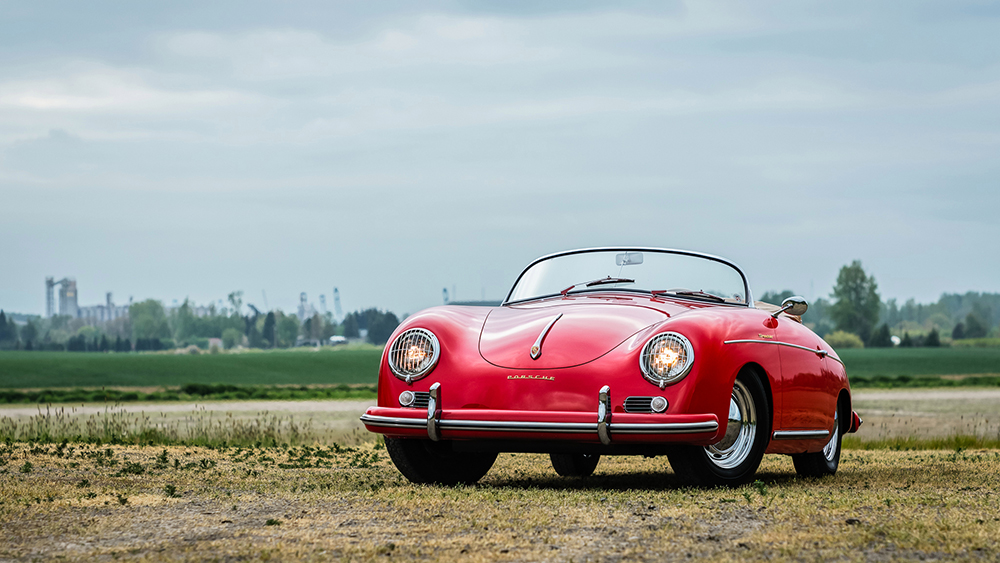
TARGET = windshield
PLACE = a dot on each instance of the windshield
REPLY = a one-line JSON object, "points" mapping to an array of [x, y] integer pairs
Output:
{"points": [[640, 270]]}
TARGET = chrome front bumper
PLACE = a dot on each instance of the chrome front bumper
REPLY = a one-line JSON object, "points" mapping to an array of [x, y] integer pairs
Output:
{"points": [[458, 422]]}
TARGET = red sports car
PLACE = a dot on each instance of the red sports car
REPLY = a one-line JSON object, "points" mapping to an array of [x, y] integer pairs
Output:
{"points": [[614, 351]]}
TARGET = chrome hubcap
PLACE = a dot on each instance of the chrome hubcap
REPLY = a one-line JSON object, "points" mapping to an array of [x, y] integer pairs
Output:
{"points": [[830, 449], [734, 448]]}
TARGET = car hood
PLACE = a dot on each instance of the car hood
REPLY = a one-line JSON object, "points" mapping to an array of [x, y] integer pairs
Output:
{"points": [[584, 332]]}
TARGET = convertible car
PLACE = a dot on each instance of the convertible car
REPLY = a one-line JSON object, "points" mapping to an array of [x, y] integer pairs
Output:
{"points": [[614, 351]]}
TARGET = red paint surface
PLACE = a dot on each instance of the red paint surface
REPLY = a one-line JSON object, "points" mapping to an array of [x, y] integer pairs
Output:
{"points": [[598, 342]]}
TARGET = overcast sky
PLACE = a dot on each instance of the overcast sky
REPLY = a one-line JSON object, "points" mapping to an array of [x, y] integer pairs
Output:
{"points": [[187, 149]]}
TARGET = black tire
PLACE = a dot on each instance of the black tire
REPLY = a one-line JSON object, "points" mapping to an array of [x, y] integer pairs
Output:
{"points": [[733, 461], [575, 465], [825, 462], [424, 461]]}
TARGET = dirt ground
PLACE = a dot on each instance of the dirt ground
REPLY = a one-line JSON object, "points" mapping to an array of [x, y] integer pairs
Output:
{"points": [[82, 503]]}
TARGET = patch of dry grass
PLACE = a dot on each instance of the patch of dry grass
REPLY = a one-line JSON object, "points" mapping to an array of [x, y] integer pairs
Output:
{"points": [[84, 502]]}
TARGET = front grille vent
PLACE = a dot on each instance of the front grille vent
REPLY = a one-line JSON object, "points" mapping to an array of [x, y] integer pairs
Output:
{"points": [[420, 399], [639, 404]]}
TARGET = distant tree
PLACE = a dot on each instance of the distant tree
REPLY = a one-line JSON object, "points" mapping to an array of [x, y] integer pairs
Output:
{"points": [[254, 338], [104, 343], [184, 323], [351, 328], [148, 320], [268, 332], [776, 297], [841, 339], [933, 339], [231, 337], [236, 300], [958, 332], [907, 342], [29, 346], [8, 329], [380, 328], [881, 338], [29, 332], [818, 317], [287, 328], [974, 326], [857, 301]]}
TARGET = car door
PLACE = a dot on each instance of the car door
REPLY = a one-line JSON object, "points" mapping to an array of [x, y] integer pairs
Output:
{"points": [[807, 401]]}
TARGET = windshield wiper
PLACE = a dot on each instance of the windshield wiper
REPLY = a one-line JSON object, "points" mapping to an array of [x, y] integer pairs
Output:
{"points": [[599, 281], [690, 293]]}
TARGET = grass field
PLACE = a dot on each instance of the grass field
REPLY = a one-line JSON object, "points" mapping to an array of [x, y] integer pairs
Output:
{"points": [[20, 370], [919, 362], [79, 502]]}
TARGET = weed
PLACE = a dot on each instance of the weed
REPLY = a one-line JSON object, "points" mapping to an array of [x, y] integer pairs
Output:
{"points": [[161, 460], [272, 522], [760, 487], [122, 499], [131, 468], [83, 484], [27, 467], [170, 491]]}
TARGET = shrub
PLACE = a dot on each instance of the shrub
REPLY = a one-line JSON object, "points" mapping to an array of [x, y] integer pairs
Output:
{"points": [[231, 337], [842, 339]]}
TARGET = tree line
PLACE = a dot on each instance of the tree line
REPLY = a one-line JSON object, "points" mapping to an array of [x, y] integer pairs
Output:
{"points": [[855, 315], [150, 326]]}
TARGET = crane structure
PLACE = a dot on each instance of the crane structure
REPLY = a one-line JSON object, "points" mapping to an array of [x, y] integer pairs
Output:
{"points": [[338, 313]]}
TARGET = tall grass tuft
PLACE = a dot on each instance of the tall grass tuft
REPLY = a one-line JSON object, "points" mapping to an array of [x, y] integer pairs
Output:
{"points": [[903, 443], [115, 426]]}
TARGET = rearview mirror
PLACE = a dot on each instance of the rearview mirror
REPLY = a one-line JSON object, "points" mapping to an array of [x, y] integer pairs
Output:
{"points": [[794, 305], [628, 258]]}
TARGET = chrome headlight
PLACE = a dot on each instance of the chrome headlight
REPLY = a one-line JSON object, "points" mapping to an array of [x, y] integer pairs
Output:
{"points": [[413, 354], [666, 358]]}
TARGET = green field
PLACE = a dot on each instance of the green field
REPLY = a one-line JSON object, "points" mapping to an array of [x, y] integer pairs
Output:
{"points": [[920, 362], [19, 370]]}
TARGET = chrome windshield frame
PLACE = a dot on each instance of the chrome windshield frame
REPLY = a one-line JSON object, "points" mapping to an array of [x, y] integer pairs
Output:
{"points": [[746, 283]]}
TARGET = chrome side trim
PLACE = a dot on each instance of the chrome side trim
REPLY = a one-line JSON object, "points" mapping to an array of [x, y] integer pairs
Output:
{"points": [[556, 427], [520, 426], [393, 422], [800, 434], [604, 415], [820, 353], [434, 412], [668, 428], [536, 349]]}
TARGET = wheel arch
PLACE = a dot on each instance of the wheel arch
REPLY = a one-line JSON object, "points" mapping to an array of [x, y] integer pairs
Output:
{"points": [[844, 410], [766, 380]]}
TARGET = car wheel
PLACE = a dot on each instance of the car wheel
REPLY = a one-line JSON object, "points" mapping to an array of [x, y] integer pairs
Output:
{"points": [[822, 463], [424, 461], [733, 460], [574, 465]]}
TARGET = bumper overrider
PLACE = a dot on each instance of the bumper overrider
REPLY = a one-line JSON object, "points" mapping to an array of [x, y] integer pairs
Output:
{"points": [[437, 423]]}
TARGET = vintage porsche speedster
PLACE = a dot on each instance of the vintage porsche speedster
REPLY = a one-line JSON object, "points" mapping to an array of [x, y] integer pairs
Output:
{"points": [[614, 351]]}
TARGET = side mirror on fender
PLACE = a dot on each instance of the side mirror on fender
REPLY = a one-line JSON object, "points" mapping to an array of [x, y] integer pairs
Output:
{"points": [[794, 305]]}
